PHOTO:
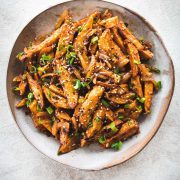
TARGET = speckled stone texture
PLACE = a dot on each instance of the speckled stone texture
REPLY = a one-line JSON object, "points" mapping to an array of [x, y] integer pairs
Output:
{"points": [[159, 160]]}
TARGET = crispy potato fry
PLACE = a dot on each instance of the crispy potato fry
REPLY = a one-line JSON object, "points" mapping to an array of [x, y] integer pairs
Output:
{"points": [[36, 90], [60, 114], [67, 82], [21, 103], [148, 92], [128, 35], [96, 122], [117, 38], [134, 58], [89, 105], [136, 86], [110, 22], [106, 44], [79, 46], [56, 100], [61, 19], [127, 130]]}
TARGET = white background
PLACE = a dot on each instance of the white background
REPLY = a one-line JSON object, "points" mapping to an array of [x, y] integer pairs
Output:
{"points": [[159, 160]]}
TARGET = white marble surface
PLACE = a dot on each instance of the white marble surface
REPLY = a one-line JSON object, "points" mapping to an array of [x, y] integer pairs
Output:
{"points": [[159, 160]]}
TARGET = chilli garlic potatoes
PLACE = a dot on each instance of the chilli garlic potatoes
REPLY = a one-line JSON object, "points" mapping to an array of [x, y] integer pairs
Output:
{"points": [[87, 81]]}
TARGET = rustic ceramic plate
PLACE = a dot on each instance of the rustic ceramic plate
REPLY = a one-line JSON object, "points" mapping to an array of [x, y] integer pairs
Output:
{"points": [[93, 157]]}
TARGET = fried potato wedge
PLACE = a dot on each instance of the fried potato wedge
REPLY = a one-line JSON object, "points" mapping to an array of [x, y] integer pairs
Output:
{"points": [[56, 100], [128, 35], [106, 44], [96, 122], [127, 130], [67, 82], [89, 105], [36, 90]]}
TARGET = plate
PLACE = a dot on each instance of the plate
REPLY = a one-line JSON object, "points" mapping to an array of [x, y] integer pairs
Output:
{"points": [[94, 157]]}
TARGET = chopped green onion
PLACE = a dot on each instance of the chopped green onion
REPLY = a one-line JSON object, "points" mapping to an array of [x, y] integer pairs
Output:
{"points": [[52, 121], [69, 47], [70, 62], [139, 108], [121, 117], [129, 123], [30, 95], [117, 70], [102, 139], [141, 39], [159, 85], [84, 84], [126, 106], [49, 94], [38, 108], [117, 146], [105, 103], [49, 110], [133, 95], [45, 58], [113, 127], [154, 69], [16, 89], [78, 84], [33, 69], [97, 119], [90, 124], [58, 72], [28, 102], [94, 40], [137, 62], [19, 54], [141, 100]]}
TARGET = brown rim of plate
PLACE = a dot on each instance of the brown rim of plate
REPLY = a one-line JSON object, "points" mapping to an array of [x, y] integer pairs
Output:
{"points": [[159, 120]]}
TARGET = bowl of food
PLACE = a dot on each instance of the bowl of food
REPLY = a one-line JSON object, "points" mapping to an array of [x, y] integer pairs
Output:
{"points": [[89, 86]]}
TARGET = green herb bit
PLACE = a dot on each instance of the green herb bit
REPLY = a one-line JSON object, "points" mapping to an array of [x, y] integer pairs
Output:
{"points": [[78, 84], [126, 106], [45, 58], [113, 127], [97, 119], [33, 69], [141, 100], [49, 110], [58, 72], [139, 108], [159, 85], [94, 40], [49, 93], [117, 70], [19, 54], [71, 61], [117, 146], [16, 89], [121, 117], [154, 69], [90, 124], [30, 96], [28, 102], [133, 95], [38, 108], [102, 139], [80, 28], [141, 39], [69, 47], [52, 121], [105, 103], [137, 62]]}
